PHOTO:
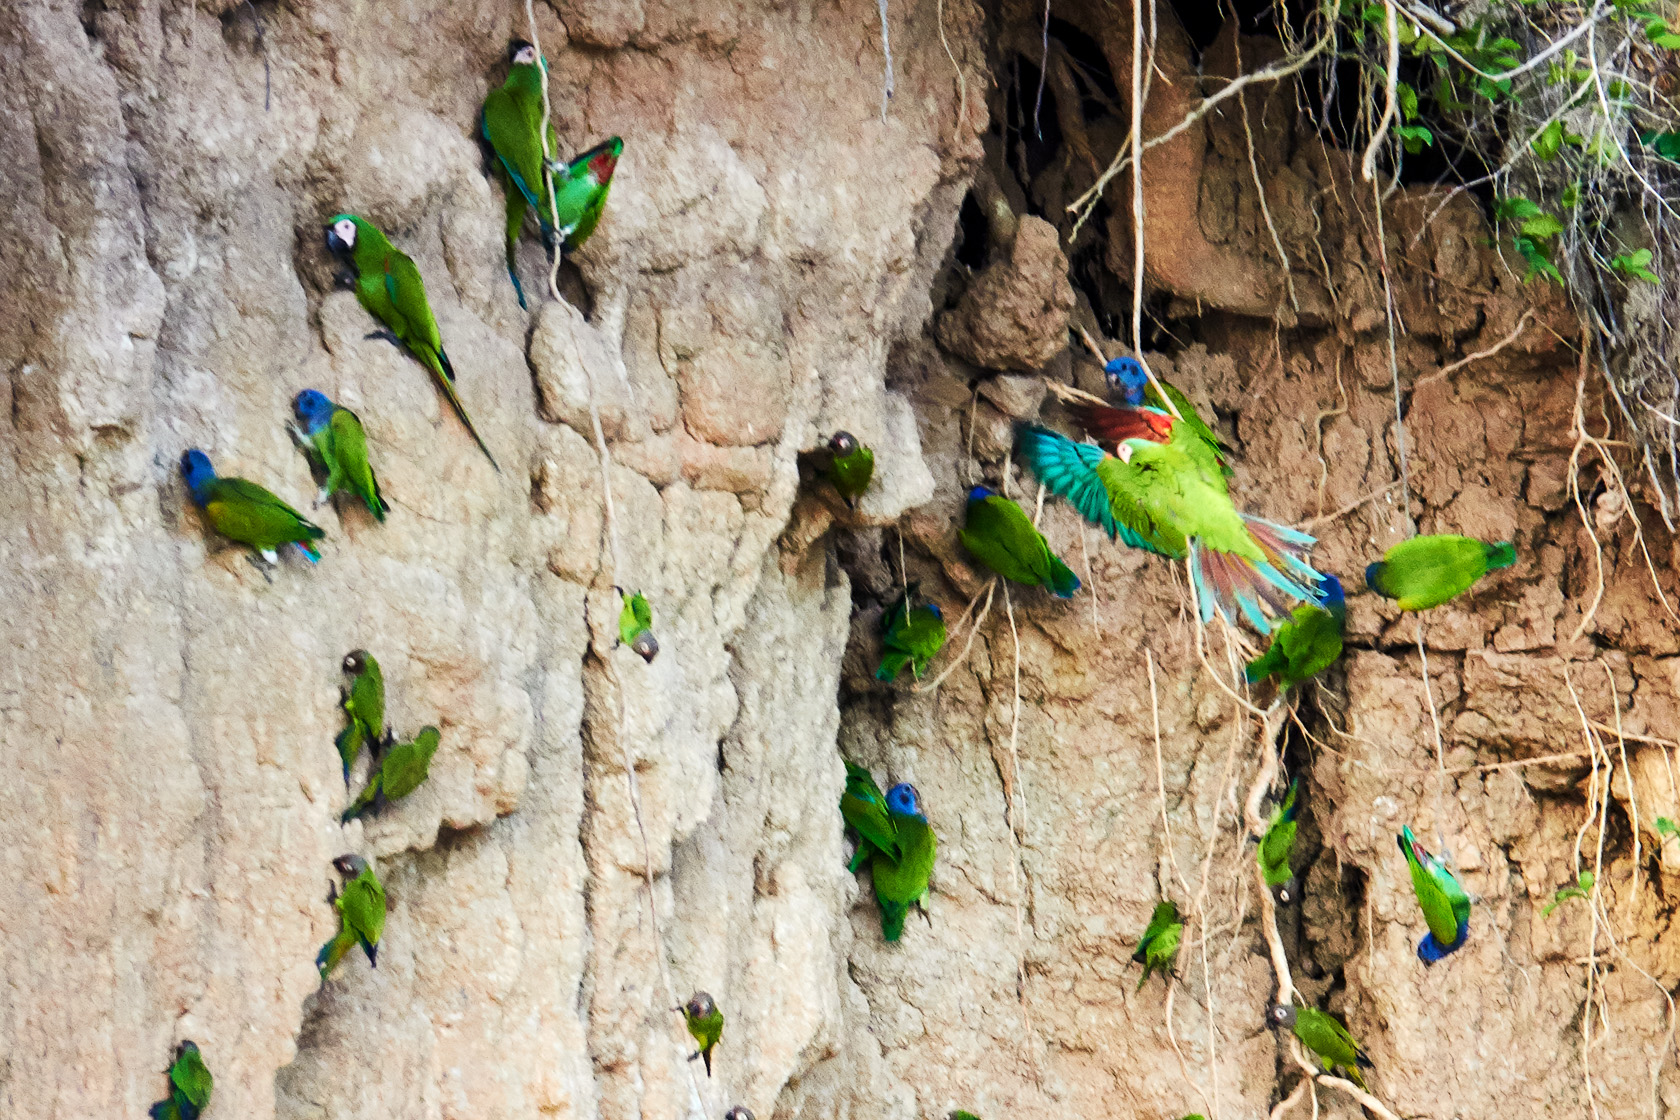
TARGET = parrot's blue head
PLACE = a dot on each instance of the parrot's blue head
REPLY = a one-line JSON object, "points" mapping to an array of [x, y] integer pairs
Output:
{"points": [[313, 410], [981, 493], [196, 469], [1331, 596], [905, 801], [937, 613], [1127, 376], [1373, 572]]}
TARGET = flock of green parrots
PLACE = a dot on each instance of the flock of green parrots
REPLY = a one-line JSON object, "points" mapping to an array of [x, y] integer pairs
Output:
{"points": [[1154, 477]]}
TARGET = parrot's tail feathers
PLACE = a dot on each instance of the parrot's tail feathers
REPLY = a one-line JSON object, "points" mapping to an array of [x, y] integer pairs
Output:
{"points": [[371, 949], [1286, 548], [331, 953], [859, 857], [518, 288], [1230, 583], [1501, 555], [891, 666], [310, 552], [1062, 580], [447, 384], [892, 919], [706, 1056]]}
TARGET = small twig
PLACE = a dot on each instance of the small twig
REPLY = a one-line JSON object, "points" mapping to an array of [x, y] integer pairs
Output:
{"points": [[262, 49], [962, 78], [886, 49], [1478, 355], [1017, 832], [991, 586], [1326, 518], [1289, 1102]]}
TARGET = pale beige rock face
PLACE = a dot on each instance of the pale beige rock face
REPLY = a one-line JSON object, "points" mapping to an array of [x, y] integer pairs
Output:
{"points": [[762, 278]]}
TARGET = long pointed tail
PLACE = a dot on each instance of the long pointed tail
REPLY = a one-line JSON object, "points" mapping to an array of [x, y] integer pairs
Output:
{"points": [[1230, 583], [892, 918], [447, 384]]}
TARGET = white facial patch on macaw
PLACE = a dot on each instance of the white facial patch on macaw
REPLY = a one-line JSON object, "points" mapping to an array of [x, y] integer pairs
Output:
{"points": [[346, 231], [525, 56]]}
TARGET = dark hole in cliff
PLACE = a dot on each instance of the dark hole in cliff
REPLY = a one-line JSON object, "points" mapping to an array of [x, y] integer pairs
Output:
{"points": [[90, 17], [1032, 132], [971, 233], [572, 287], [1090, 64]]}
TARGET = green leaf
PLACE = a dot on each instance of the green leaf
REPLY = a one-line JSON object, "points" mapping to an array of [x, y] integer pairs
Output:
{"points": [[1571, 196], [1415, 137], [1582, 889], [1541, 227], [1667, 827], [1408, 99], [1546, 144], [1515, 209]]}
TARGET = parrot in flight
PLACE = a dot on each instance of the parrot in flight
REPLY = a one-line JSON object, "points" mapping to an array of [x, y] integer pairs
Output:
{"points": [[1159, 945], [1445, 906], [1425, 572], [361, 914], [364, 703], [850, 467], [389, 286], [894, 835], [635, 625], [400, 773], [190, 1084], [705, 1023], [1126, 376], [999, 534], [1276, 846], [1321, 1033], [333, 437], [1151, 496], [910, 636], [1308, 643], [246, 513]]}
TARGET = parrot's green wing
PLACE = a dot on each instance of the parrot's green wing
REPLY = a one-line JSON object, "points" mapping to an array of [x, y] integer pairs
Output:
{"points": [[367, 797], [1437, 904], [864, 808], [363, 907], [1130, 492], [901, 883], [1208, 450], [407, 292], [1425, 572], [348, 444], [643, 611], [1279, 840], [1159, 944], [635, 617], [250, 514], [514, 136], [707, 1030], [924, 636], [191, 1077], [365, 705], [409, 764], [851, 473], [1327, 1038], [999, 535]]}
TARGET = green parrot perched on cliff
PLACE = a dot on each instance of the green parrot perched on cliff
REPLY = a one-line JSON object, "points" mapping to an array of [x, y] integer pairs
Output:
{"points": [[1158, 947], [998, 533], [1153, 496], [895, 837], [910, 636], [389, 286], [400, 773], [190, 1085], [511, 123], [1425, 572], [364, 703], [1277, 845], [1445, 905], [850, 466], [635, 625], [247, 513], [333, 438], [1321, 1033], [705, 1023], [361, 914], [1308, 643]]}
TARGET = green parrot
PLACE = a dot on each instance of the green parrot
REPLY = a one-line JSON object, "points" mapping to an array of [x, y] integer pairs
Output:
{"points": [[400, 772], [1308, 643], [333, 437], [246, 513], [1446, 908], [361, 914], [705, 1023], [390, 288], [903, 882], [635, 625], [581, 185], [1159, 944], [999, 535], [190, 1084], [511, 124], [850, 467], [1321, 1033], [1425, 572], [1276, 846], [963, 1114], [910, 636], [1153, 496], [865, 811], [364, 703]]}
